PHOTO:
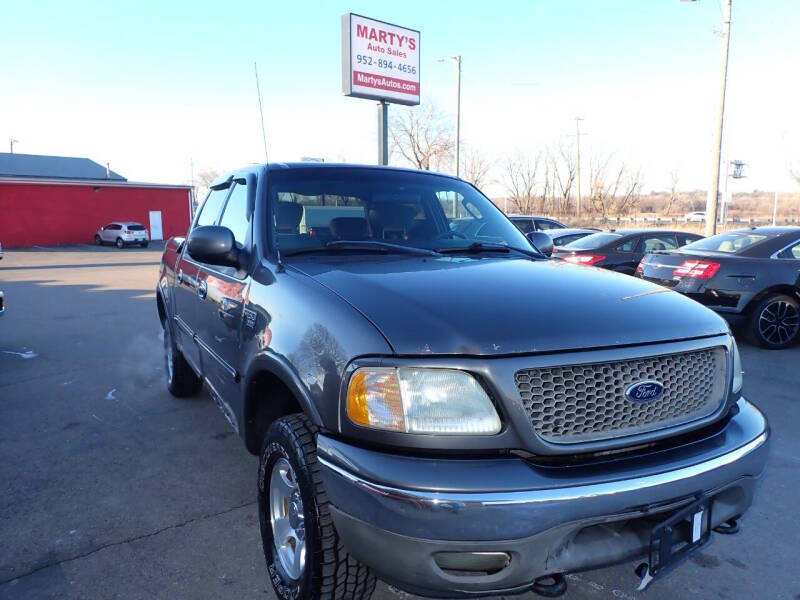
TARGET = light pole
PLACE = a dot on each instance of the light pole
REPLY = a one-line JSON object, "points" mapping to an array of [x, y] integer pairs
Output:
{"points": [[11, 143], [458, 111], [578, 135], [712, 200]]}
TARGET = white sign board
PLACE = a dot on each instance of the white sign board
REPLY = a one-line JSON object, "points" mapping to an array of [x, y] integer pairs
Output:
{"points": [[379, 60]]}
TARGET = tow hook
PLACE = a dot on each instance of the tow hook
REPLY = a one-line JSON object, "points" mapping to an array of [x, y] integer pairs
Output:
{"points": [[550, 586], [729, 527]]}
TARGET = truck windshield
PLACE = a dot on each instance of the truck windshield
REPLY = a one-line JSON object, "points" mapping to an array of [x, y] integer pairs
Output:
{"points": [[314, 206]]}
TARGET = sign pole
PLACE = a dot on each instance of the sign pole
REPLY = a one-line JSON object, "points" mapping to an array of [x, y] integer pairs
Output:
{"points": [[383, 133]]}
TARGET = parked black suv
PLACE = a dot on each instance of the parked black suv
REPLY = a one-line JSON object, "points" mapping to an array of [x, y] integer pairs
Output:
{"points": [[459, 416]]}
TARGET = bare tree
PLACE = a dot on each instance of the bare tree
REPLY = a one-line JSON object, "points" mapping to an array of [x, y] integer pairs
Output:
{"points": [[563, 167], [794, 171], [203, 180], [519, 177], [673, 191], [475, 168], [614, 188], [422, 137]]}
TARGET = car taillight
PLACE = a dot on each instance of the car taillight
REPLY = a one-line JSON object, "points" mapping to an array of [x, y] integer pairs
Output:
{"points": [[584, 259], [700, 269], [640, 266], [128, 232]]}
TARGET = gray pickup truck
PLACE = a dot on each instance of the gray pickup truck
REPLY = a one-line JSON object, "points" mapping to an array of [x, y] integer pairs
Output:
{"points": [[436, 403]]}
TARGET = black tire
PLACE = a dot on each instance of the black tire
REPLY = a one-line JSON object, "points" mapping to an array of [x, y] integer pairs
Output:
{"points": [[120, 243], [329, 573], [182, 381], [144, 244], [98, 241], [774, 323]]}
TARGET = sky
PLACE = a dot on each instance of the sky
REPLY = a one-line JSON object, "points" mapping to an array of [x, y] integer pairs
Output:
{"points": [[160, 88]]}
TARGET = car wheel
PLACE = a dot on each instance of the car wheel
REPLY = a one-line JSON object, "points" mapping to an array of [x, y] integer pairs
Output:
{"points": [[98, 241], [305, 558], [143, 244], [182, 381], [775, 322], [120, 243]]}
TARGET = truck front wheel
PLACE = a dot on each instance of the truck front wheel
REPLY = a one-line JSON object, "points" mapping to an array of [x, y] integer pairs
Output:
{"points": [[305, 558]]}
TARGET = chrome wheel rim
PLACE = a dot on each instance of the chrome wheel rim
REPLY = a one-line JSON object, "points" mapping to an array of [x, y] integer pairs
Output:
{"points": [[287, 519], [168, 353], [779, 322]]}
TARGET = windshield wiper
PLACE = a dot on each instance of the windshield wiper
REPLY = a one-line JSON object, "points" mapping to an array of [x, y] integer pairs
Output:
{"points": [[477, 247], [365, 246]]}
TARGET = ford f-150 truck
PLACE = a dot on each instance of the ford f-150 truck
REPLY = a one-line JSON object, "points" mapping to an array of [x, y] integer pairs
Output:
{"points": [[436, 403]]}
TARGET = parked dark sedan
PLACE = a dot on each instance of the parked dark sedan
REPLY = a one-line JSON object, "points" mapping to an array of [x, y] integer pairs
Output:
{"points": [[562, 237], [621, 250], [751, 277], [528, 223]]}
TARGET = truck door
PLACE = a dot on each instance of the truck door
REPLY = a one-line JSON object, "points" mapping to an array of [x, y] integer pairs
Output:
{"points": [[219, 320], [187, 287]]}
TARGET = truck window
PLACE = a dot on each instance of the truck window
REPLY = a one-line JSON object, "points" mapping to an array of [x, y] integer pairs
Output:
{"points": [[210, 209], [234, 216]]}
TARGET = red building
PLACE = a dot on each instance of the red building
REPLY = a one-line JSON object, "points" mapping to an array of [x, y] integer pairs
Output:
{"points": [[50, 200]]}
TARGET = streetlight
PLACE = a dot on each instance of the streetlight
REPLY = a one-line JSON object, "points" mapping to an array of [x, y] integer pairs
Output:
{"points": [[11, 143], [713, 193], [458, 111]]}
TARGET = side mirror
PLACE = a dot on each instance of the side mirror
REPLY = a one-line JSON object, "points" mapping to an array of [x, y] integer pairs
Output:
{"points": [[213, 245], [541, 241]]}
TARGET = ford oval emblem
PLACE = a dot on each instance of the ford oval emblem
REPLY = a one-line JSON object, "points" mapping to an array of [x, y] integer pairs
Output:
{"points": [[644, 391]]}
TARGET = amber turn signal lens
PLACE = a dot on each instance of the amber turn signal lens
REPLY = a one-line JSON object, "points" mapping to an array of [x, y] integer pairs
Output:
{"points": [[373, 399]]}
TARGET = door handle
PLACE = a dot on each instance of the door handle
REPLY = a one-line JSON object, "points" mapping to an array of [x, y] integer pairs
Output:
{"points": [[202, 288], [227, 309]]}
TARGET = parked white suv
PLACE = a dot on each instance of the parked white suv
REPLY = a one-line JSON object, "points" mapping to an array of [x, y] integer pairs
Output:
{"points": [[122, 233]]}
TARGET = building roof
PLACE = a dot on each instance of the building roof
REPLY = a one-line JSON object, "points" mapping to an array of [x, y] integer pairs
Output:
{"points": [[38, 166]]}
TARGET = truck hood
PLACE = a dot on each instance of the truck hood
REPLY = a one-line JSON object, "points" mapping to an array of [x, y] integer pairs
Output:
{"points": [[505, 305]]}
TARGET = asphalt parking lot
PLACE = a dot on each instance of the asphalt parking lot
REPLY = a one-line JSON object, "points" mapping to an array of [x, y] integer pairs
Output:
{"points": [[112, 488]]}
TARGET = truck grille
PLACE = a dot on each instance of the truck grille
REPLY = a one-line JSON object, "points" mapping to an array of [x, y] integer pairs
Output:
{"points": [[581, 403]]}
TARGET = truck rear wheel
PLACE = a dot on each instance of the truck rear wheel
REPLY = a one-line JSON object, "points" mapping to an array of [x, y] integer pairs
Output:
{"points": [[305, 557], [182, 381]]}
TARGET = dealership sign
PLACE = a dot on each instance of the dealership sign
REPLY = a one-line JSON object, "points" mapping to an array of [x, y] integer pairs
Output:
{"points": [[379, 60]]}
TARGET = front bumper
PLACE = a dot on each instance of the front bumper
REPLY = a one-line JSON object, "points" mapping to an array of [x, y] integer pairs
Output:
{"points": [[398, 514]]}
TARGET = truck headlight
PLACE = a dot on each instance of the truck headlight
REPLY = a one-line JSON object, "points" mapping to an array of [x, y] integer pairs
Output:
{"points": [[738, 374], [411, 400]]}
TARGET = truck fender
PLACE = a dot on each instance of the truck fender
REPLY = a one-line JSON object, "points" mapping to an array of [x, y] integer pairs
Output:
{"points": [[280, 367]]}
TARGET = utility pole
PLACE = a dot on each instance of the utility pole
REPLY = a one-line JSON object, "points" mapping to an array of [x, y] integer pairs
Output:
{"points": [[458, 115], [11, 143], [458, 110], [578, 162], [712, 200], [775, 209]]}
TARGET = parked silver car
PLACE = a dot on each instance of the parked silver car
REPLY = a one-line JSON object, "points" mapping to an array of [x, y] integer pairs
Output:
{"points": [[122, 233]]}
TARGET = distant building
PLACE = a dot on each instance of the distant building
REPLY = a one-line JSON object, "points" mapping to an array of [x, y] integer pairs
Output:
{"points": [[51, 200]]}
